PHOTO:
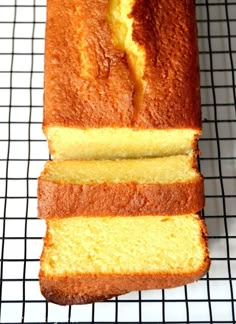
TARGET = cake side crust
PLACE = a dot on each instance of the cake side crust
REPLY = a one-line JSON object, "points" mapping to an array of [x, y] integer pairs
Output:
{"points": [[83, 289], [66, 200]]}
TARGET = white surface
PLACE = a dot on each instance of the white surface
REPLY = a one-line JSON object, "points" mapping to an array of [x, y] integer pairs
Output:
{"points": [[185, 304]]}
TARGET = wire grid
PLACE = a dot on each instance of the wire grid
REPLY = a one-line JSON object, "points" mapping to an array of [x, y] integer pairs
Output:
{"points": [[23, 151]]}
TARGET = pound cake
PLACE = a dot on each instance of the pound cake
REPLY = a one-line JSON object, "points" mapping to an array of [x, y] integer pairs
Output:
{"points": [[88, 259], [151, 186], [121, 79], [122, 118]]}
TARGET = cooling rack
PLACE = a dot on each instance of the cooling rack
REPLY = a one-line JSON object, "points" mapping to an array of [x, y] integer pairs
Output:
{"points": [[23, 151]]}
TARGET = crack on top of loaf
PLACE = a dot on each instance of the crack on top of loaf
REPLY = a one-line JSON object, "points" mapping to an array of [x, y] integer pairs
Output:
{"points": [[120, 19]]}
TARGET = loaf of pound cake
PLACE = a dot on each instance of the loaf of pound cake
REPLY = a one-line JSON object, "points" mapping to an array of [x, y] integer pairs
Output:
{"points": [[121, 79], [121, 87], [88, 259], [152, 186]]}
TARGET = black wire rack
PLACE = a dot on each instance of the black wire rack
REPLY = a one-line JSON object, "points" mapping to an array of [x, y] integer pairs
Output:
{"points": [[23, 151]]}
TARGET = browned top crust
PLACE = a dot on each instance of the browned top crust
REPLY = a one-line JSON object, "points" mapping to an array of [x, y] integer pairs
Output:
{"points": [[167, 31]]}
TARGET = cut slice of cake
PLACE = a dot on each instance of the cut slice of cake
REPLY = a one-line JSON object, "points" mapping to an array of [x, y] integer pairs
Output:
{"points": [[88, 259], [153, 186], [121, 79]]}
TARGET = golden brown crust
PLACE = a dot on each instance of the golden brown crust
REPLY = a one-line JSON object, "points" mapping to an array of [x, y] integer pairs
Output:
{"points": [[66, 200], [66, 290], [166, 29], [84, 289]]}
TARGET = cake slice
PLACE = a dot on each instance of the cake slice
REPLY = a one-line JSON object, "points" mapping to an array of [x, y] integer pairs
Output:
{"points": [[153, 186], [121, 79], [88, 259]]}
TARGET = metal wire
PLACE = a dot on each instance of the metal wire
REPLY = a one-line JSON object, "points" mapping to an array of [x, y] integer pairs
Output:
{"points": [[23, 151]]}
